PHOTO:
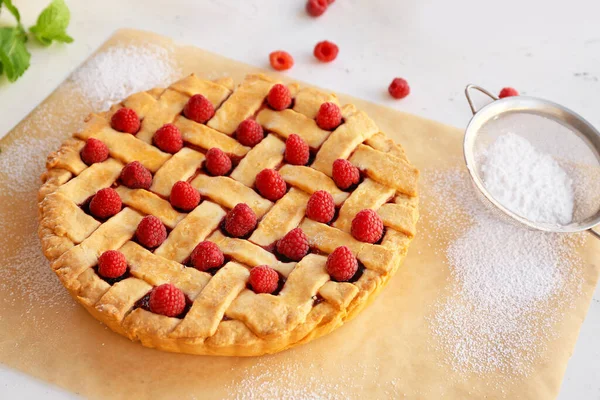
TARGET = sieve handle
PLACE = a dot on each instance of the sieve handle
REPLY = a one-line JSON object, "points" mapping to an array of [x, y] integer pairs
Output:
{"points": [[593, 232], [480, 89]]}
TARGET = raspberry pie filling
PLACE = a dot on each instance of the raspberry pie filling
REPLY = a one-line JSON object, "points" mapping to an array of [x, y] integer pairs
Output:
{"points": [[208, 219]]}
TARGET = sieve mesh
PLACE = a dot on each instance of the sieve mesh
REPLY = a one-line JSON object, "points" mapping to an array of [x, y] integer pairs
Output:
{"points": [[572, 142]]}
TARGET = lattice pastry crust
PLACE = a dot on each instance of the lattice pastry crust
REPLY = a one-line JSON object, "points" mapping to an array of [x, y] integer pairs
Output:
{"points": [[226, 317]]}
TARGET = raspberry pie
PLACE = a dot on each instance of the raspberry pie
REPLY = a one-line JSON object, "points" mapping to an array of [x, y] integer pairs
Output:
{"points": [[205, 219]]}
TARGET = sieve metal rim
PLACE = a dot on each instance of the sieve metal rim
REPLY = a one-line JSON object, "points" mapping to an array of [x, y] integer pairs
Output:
{"points": [[538, 106]]}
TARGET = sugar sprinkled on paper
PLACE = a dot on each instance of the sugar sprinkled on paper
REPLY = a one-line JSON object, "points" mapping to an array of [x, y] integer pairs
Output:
{"points": [[508, 284], [112, 75], [526, 181]]}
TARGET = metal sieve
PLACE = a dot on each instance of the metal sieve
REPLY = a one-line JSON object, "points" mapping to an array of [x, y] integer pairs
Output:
{"points": [[533, 108]]}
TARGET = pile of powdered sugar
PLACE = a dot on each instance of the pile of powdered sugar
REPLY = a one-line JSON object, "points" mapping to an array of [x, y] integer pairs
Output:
{"points": [[530, 183], [508, 285], [112, 75]]}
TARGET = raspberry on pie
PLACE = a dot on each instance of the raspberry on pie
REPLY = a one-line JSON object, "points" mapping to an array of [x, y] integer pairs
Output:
{"points": [[184, 196], [125, 120], [168, 138], [296, 150], [249, 133], [279, 97], [94, 151], [329, 116], [167, 300], [220, 243], [135, 176], [263, 279]]}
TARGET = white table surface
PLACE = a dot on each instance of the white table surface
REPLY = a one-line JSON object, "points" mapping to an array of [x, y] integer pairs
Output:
{"points": [[549, 49]]}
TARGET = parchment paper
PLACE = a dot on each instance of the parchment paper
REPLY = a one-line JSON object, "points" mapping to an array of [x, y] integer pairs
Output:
{"points": [[388, 351]]}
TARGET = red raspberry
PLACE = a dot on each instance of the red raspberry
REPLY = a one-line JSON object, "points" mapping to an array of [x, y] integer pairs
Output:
{"points": [[344, 173], [329, 116], [168, 138], [184, 196], [296, 150], [508, 92], [125, 120], [316, 7], [199, 109], [105, 203], [399, 88], [263, 279], [217, 162], [281, 60], [240, 221], [135, 176], [150, 232], [112, 264], [341, 264], [326, 51], [367, 226], [94, 151], [207, 255], [330, 1], [279, 97], [294, 245], [249, 133], [270, 184], [167, 300], [320, 207]]}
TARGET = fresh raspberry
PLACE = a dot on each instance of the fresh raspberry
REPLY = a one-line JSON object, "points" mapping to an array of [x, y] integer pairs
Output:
{"points": [[263, 279], [329, 116], [320, 207], [112, 264], [296, 150], [281, 60], [316, 7], [207, 255], [270, 184], [167, 300], [399, 88], [341, 264], [279, 97], [344, 173], [508, 92], [240, 221], [125, 120], [326, 51], [168, 138], [184, 196], [330, 1], [199, 109], [294, 245], [217, 162], [135, 176], [249, 133], [105, 203], [150, 232], [94, 151], [367, 226]]}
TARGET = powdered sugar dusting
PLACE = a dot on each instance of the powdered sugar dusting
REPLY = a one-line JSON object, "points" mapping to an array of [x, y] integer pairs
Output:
{"points": [[289, 377], [114, 74], [530, 183], [508, 284]]}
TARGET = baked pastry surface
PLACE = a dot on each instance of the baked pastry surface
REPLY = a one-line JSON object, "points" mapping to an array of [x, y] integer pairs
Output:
{"points": [[225, 316]]}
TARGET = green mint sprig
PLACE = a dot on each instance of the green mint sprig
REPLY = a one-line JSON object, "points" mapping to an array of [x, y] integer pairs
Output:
{"points": [[51, 26]]}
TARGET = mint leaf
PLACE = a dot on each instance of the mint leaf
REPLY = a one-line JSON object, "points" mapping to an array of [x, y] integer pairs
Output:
{"points": [[13, 10], [14, 56], [52, 24]]}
